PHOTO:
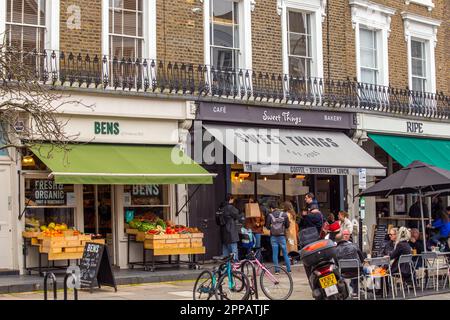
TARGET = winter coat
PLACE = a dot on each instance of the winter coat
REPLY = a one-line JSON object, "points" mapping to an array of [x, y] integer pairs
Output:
{"points": [[402, 248], [312, 220], [255, 224], [443, 227], [388, 248], [291, 234], [230, 231]]}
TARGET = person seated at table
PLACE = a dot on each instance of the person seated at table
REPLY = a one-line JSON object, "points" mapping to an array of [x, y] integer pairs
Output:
{"points": [[390, 244], [346, 249], [416, 245], [442, 226], [401, 248]]}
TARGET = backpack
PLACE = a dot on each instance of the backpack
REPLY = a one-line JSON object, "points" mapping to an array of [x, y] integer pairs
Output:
{"points": [[247, 238], [277, 226], [307, 236], [220, 220]]}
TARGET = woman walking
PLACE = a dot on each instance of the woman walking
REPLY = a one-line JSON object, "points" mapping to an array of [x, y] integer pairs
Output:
{"points": [[292, 231]]}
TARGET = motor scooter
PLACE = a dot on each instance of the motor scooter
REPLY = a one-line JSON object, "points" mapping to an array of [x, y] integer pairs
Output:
{"points": [[319, 260]]}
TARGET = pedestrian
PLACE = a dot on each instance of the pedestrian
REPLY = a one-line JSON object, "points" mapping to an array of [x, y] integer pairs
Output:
{"points": [[442, 227], [292, 231], [345, 222], [416, 245], [346, 249], [229, 231], [312, 203], [278, 223], [414, 212], [256, 225]]}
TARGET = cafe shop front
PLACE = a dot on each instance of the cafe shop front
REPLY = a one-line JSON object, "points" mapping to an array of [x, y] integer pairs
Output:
{"points": [[274, 153], [120, 168], [396, 142]]}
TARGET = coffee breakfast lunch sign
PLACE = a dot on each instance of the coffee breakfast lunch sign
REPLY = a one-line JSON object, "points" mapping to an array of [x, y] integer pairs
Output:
{"points": [[275, 116]]}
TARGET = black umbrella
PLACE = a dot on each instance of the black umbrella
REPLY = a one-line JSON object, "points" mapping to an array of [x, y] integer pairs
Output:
{"points": [[418, 177]]}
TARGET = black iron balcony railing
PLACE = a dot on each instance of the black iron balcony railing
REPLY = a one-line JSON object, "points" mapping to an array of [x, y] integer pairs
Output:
{"points": [[146, 75]]}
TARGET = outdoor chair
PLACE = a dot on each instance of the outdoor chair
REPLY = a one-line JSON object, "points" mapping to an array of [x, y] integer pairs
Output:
{"points": [[399, 278], [381, 262], [353, 264], [443, 268], [429, 270]]}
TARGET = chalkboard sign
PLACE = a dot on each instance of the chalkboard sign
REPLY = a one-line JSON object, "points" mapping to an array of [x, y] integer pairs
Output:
{"points": [[379, 238], [95, 265]]}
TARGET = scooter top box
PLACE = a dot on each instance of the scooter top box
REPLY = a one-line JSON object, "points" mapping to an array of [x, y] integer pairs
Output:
{"points": [[318, 251]]}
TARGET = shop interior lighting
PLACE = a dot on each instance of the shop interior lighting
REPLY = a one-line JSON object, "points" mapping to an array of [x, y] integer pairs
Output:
{"points": [[28, 161], [300, 176], [265, 178], [244, 175]]}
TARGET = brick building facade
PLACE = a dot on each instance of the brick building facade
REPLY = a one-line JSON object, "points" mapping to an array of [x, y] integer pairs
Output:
{"points": [[180, 36]]}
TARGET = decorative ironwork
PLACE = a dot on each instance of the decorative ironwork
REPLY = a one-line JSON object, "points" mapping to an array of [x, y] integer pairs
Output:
{"points": [[204, 81]]}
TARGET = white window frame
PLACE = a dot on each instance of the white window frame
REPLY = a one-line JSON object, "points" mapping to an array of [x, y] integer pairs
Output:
{"points": [[422, 29], [375, 17], [316, 9], [427, 3], [52, 14], [149, 29], [245, 33]]}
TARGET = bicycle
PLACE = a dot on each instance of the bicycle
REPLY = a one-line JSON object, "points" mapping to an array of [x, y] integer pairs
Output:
{"points": [[272, 283], [222, 283]]}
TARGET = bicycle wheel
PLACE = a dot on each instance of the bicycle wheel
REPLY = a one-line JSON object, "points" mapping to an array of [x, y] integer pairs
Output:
{"points": [[204, 287], [276, 287], [236, 288]]}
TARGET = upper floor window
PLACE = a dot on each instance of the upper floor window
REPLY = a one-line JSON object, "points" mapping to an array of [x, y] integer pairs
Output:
{"points": [[225, 34], [299, 43], [25, 24], [126, 28], [418, 65], [368, 56]]}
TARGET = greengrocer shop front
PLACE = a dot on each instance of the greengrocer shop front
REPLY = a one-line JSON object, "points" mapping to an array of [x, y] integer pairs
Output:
{"points": [[99, 188]]}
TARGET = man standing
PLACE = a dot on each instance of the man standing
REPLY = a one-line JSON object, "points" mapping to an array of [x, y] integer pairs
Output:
{"points": [[278, 223], [414, 212], [229, 231]]}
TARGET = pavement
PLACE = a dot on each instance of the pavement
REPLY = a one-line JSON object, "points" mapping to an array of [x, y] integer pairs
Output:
{"points": [[179, 290]]}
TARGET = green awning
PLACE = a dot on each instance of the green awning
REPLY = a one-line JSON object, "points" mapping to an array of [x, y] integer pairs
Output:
{"points": [[407, 149], [121, 164]]}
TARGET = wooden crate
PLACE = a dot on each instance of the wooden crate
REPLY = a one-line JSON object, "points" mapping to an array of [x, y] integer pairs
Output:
{"points": [[68, 233], [99, 241], [132, 231], [197, 235], [170, 241], [30, 234], [43, 249], [184, 245], [177, 251], [73, 249], [65, 256], [184, 240], [196, 244], [73, 243], [72, 238], [54, 242], [35, 242], [185, 235], [140, 236], [85, 237]]}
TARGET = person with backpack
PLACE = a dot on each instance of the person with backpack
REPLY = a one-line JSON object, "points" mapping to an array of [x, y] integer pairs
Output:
{"points": [[310, 226], [227, 218], [278, 223]]}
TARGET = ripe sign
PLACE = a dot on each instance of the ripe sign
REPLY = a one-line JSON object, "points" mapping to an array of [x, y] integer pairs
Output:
{"points": [[414, 127], [106, 128]]}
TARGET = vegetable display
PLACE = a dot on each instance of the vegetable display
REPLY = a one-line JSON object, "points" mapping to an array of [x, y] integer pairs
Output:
{"points": [[158, 226]]}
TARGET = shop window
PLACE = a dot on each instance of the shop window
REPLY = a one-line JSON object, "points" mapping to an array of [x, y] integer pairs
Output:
{"points": [[368, 54], [270, 187], [47, 201], [146, 202], [242, 187], [418, 66]]}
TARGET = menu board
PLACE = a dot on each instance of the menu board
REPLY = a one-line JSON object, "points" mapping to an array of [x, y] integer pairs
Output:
{"points": [[378, 241], [95, 265]]}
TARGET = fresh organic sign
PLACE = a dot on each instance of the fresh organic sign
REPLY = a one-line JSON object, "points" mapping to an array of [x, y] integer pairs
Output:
{"points": [[47, 192], [106, 128]]}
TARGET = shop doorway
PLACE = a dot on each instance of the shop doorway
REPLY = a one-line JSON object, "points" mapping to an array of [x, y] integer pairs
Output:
{"points": [[98, 213], [5, 218]]}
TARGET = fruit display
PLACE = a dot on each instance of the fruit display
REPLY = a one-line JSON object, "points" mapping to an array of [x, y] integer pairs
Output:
{"points": [[54, 227], [148, 225], [32, 224]]}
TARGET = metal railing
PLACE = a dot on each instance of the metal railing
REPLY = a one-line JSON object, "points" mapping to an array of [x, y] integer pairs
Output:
{"points": [[151, 76]]}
